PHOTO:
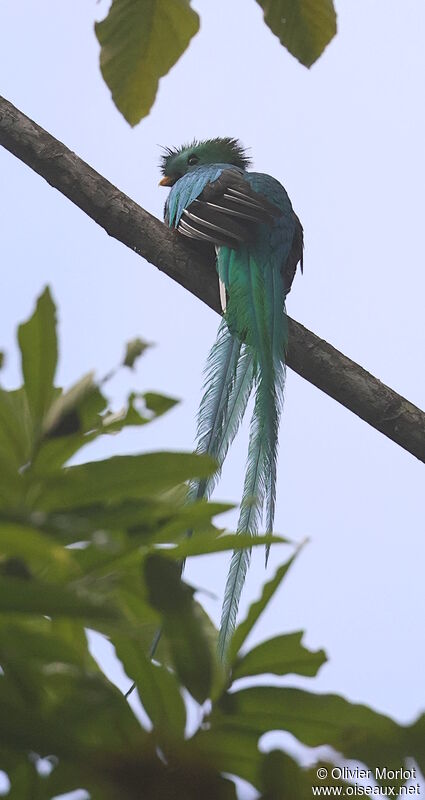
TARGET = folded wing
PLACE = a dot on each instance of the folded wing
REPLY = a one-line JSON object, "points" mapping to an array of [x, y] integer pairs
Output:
{"points": [[226, 212]]}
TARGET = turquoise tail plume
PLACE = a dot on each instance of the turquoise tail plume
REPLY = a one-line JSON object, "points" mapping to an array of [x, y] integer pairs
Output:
{"points": [[256, 308], [248, 219], [228, 383]]}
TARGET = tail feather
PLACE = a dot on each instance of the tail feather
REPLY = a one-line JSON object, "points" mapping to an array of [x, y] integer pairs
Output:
{"points": [[228, 383], [275, 294], [266, 335], [249, 520]]}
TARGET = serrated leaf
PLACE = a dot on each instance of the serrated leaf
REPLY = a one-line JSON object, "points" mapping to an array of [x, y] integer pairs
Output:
{"points": [[235, 751], [140, 41], [39, 352], [121, 477], [113, 422], [281, 655], [183, 626], [356, 731], [304, 27], [141, 409], [134, 349], [256, 609]]}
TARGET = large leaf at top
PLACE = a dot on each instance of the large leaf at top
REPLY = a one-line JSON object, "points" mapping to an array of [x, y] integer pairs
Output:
{"points": [[121, 477], [140, 41], [304, 27], [39, 352]]}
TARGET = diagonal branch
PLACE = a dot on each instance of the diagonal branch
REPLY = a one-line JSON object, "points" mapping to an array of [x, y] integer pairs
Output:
{"points": [[311, 357]]}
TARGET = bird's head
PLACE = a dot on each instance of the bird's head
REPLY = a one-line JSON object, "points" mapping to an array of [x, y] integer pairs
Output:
{"points": [[177, 162]]}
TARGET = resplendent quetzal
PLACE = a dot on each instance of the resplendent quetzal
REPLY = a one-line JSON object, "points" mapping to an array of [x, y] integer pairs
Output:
{"points": [[258, 240]]}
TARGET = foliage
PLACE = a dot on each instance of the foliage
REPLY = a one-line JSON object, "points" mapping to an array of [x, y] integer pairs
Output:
{"points": [[98, 546], [304, 27], [142, 39]]}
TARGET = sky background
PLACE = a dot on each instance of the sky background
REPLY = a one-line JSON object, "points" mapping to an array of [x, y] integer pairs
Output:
{"points": [[347, 140]]}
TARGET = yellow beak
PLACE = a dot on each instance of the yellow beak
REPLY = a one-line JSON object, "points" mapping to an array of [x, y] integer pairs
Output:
{"points": [[166, 181]]}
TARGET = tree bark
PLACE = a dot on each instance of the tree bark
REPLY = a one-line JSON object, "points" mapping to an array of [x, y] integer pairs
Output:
{"points": [[192, 267]]}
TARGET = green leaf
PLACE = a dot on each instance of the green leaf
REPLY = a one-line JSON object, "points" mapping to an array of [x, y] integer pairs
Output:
{"points": [[12, 484], [256, 609], [140, 41], [37, 341], [183, 626], [152, 406], [190, 516], [233, 751], [356, 731], [121, 477], [15, 428], [18, 596], [159, 404], [281, 655], [416, 734], [157, 687], [39, 641], [281, 776], [40, 553], [202, 544], [76, 410], [304, 27], [134, 349]]}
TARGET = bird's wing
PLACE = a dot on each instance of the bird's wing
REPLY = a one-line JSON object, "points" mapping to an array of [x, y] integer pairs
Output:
{"points": [[226, 211], [295, 256]]}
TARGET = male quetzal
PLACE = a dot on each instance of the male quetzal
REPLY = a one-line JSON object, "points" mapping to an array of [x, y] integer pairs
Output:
{"points": [[258, 240]]}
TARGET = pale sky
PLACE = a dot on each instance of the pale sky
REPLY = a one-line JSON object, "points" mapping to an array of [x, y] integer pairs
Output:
{"points": [[347, 140]]}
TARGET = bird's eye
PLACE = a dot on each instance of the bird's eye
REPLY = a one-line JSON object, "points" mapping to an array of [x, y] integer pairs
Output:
{"points": [[192, 160]]}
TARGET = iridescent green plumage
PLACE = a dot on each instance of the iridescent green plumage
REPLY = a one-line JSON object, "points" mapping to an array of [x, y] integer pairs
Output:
{"points": [[249, 219]]}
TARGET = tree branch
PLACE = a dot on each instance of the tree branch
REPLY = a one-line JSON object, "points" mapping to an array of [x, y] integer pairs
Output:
{"points": [[311, 357]]}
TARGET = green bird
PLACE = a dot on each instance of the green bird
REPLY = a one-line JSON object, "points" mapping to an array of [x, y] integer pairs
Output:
{"points": [[258, 239]]}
